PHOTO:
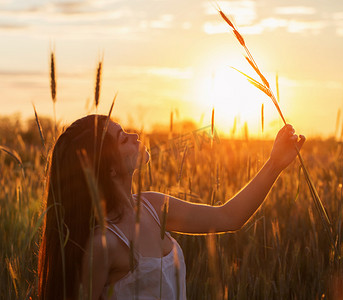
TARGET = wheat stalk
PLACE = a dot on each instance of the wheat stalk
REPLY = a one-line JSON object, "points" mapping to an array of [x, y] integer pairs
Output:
{"points": [[265, 87], [97, 85], [177, 272], [277, 88], [98, 209], [53, 86], [338, 119], [171, 124], [14, 275], [149, 163], [262, 117], [212, 122], [162, 233], [138, 213], [234, 127], [92, 184], [104, 131], [15, 155], [182, 163], [39, 127], [52, 77]]}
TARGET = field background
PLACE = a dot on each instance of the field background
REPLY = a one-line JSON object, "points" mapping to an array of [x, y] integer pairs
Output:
{"points": [[281, 253]]}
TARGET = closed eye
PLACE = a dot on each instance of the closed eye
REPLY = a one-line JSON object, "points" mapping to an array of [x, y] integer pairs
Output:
{"points": [[124, 140]]}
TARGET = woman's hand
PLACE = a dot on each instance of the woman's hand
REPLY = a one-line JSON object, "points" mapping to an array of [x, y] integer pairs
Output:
{"points": [[284, 152]]}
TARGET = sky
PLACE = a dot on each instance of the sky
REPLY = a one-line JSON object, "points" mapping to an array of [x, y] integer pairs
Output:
{"points": [[164, 56]]}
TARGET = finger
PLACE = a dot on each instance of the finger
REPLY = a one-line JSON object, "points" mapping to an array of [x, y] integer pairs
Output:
{"points": [[290, 129], [291, 134], [286, 129], [294, 138], [301, 141]]}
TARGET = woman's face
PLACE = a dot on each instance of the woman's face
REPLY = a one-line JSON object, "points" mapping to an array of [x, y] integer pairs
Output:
{"points": [[129, 147]]}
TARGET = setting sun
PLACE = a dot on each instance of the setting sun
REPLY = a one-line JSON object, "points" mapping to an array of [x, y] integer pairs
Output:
{"points": [[234, 99]]}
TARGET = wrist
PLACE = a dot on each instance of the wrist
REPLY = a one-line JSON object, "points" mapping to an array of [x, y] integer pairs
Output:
{"points": [[273, 167]]}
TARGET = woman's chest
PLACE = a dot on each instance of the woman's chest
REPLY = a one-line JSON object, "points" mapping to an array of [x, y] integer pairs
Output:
{"points": [[146, 236], [144, 240]]}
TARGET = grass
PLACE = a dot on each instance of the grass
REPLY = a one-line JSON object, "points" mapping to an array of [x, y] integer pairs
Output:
{"points": [[282, 253]]}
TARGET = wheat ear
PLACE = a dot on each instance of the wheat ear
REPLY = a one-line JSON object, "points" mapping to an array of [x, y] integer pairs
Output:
{"points": [[264, 86]]}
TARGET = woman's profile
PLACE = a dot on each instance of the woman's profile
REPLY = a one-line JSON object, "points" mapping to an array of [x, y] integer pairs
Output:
{"points": [[78, 259]]}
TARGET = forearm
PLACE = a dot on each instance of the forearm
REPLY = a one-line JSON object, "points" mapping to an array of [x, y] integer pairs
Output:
{"points": [[189, 217], [243, 205]]}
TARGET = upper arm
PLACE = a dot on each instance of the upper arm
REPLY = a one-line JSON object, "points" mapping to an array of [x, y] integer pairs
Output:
{"points": [[187, 217], [99, 268]]}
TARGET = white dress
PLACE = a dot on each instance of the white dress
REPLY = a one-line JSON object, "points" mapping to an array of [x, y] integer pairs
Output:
{"points": [[148, 281]]}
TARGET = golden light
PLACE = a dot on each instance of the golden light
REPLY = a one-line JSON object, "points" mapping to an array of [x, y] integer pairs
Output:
{"points": [[232, 97]]}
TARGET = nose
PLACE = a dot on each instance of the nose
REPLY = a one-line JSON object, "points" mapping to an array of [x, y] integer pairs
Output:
{"points": [[134, 136]]}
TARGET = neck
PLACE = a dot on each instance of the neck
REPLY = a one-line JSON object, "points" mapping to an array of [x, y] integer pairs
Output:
{"points": [[124, 184]]}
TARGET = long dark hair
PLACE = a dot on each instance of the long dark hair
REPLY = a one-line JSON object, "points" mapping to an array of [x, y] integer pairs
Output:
{"points": [[69, 205]]}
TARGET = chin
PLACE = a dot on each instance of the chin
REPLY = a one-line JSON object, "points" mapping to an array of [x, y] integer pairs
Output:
{"points": [[145, 160], [147, 157]]}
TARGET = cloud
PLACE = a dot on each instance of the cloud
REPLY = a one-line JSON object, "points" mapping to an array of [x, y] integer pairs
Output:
{"points": [[244, 15], [84, 19], [314, 27], [269, 24], [11, 73], [162, 22], [63, 13], [216, 27], [338, 20], [339, 31], [68, 20], [12, 26], [70, 7], [337, 16], [171, 73], [176, 73], [242, 12], [295, 10], [296, 83]]}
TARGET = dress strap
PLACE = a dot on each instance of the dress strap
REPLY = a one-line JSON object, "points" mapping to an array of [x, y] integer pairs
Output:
{"points": [[154, 214], [151, 210], [115, 229]]}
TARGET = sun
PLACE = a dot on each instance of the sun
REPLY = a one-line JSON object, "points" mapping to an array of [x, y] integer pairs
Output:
{"points": [[234, 99]]}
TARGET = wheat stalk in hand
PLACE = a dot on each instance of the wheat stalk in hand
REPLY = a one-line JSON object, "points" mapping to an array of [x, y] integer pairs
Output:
{"points": [[264, 86]]}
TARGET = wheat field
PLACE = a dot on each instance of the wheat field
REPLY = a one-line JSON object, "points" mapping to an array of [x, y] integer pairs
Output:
{"points": [[283, 251]]}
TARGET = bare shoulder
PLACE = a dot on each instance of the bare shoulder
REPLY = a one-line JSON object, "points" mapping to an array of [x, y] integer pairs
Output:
{"points": [[157, 200], [110, 259], [108, 246], [101, 245], [108, 251], [154, 196]]}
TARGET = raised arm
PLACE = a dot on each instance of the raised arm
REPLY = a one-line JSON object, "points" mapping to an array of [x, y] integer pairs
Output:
{"points": [[188, 217]]}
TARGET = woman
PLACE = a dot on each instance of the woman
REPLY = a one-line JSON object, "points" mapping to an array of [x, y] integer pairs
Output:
{"points": [[79, 258]]}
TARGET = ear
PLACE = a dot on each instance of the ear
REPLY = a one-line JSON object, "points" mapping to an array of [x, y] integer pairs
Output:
{"points": [[113, 172]]}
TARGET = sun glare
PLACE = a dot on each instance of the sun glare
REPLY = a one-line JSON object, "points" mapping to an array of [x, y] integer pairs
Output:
{"points": [[234, 99]]}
